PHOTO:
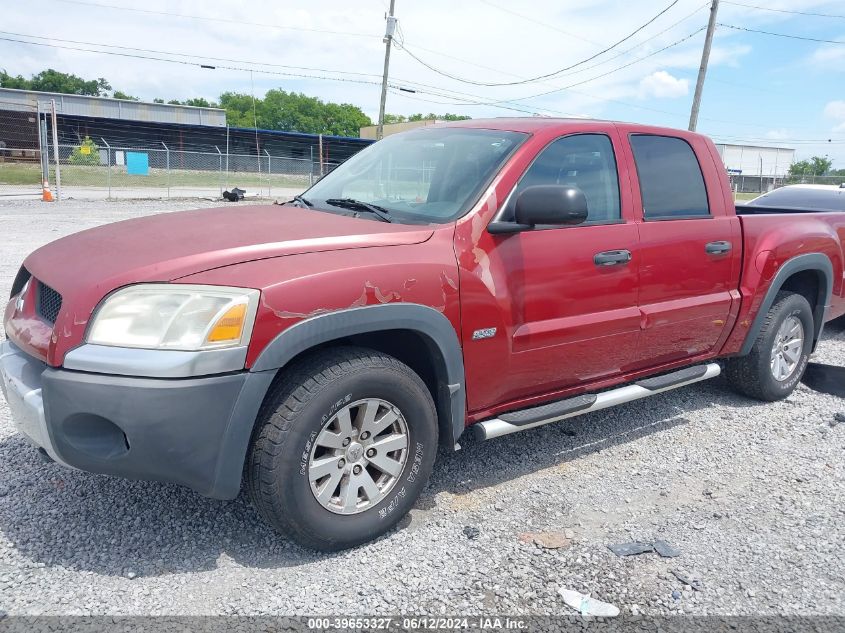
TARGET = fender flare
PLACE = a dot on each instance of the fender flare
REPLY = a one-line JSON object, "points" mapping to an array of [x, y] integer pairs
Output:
{"points": [[810, 261], [435, 329]]}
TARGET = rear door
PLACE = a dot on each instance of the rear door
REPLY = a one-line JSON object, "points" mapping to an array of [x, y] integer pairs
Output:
{"points": [[690, 248]]}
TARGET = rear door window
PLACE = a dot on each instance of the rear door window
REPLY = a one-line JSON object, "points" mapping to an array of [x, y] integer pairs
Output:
{"points": [[671, 182]]}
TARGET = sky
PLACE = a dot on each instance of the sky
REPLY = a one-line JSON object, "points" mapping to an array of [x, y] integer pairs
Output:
{"points": [[760, 89]]}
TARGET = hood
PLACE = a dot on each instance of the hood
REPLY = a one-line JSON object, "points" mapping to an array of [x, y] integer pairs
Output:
{"points": [[167, 246], [84, 267]]}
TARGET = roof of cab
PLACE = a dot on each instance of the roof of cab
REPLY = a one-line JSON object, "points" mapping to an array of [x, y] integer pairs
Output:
{"points": [[531, 125]]}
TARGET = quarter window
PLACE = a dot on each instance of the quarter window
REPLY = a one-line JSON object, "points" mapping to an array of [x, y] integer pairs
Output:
{"points": [[585, 161], [671, 182]]}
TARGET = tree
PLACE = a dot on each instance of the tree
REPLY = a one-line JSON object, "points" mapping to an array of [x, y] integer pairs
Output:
{"points": [[439, 117], [277, 110], [401, 118], [197, 102], [816, 166], [293, 112], [54, 81], [87, 153]]}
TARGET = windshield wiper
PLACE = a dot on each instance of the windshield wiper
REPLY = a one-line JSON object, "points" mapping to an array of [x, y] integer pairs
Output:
{"points": [[358, 205], [307, 203]]}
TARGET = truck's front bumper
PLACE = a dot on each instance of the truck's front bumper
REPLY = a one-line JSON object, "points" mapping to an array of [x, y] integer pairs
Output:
{"points": [[187, 431]]}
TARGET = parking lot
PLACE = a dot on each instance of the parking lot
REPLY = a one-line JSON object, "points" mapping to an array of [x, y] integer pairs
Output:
{"points": [[752, 494]]}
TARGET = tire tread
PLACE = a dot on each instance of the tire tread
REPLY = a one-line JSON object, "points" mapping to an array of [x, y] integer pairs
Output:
{"points": [[289, 394], [744, 372]]}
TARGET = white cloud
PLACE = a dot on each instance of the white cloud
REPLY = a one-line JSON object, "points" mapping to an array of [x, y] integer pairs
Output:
{"points": [[663, 85], [836, 110], [828, 57]]}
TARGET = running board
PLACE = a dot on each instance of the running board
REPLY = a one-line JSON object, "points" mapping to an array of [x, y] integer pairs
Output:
{"points": [[525, 419]]}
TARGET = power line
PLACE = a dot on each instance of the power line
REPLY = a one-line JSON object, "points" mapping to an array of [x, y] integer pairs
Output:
{"points": [[188, 63], [787, 35], [465, 99], [547, 75], [228, 21], [602, 75], [245, 69], [748, 141], [578, 92], [810, 13], [203, 57], [416, 85], [580, 70], [200, 58]]}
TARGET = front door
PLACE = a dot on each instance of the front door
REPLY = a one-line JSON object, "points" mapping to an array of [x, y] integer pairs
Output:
{"points": [[571, 315]]}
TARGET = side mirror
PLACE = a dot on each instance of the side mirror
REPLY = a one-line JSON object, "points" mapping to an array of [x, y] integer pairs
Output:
{"points": [[551, 204]]}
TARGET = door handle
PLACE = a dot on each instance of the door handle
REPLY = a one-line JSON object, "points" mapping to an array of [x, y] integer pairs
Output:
{"points": [[612, 258], [717, 248]]}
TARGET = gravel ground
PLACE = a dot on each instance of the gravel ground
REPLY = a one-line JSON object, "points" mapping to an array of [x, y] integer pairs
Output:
{"points": [[752, 494]]}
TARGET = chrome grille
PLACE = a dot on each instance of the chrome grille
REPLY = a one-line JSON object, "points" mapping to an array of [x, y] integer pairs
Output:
{"points": [[49, 303]]}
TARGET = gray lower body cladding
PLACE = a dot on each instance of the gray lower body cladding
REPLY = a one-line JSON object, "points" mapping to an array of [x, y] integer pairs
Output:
{"points": [[191, 431]]}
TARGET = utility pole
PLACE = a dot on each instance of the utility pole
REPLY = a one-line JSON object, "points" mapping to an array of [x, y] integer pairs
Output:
{"points": [[702, 70], [388, 39]]}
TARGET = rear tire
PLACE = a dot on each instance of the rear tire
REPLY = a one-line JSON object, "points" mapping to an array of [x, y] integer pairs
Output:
{"points": [[316, 473], [778, 358]]}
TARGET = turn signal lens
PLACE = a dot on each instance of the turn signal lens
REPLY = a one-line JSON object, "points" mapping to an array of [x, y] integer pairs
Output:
{"points": [[230, 326]]}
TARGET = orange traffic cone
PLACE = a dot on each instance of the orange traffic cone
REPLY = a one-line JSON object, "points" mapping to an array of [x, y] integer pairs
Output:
{"points": [[46, 196]]}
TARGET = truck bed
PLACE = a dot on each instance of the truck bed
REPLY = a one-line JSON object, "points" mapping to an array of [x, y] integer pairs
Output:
{"points": [[767, 229]]}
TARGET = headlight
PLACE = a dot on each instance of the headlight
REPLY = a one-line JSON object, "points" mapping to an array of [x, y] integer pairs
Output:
{"points": [[175, 316]]}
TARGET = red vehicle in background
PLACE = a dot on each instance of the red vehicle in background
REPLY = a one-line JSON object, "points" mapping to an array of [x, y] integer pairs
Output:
{"points": [[494, 275]]}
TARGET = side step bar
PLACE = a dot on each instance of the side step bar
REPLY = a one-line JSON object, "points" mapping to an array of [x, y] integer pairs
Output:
{"points": [[525, 419]]}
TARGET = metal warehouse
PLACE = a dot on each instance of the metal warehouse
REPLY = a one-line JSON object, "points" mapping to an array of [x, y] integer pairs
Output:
{"points": [[119, 122], [753, 160]]}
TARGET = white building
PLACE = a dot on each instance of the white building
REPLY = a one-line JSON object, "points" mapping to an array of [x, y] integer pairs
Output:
{"points": [[752, 160]]}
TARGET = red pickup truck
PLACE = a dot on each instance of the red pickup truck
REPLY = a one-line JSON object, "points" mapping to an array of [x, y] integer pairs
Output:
{"points": [[488, 275]]}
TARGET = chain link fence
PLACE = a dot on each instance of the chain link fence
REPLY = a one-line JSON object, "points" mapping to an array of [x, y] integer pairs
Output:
{"points": [[92, 170]]}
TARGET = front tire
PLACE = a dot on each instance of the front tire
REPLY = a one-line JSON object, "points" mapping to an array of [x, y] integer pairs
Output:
{"points": [[779, 356], [343, 446]]}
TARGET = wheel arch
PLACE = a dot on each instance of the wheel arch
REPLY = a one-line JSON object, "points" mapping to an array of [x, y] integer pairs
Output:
{"points": [[441, 366], [428, 344], [810, 275]]}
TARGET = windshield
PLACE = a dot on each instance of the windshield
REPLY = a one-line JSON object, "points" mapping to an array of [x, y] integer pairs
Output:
{"points": [[422, 176], [829, 199]]}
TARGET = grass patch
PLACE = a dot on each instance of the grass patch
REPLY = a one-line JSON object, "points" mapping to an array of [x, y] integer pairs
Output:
{"points": [[99, 176], [20, 174]]}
